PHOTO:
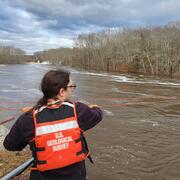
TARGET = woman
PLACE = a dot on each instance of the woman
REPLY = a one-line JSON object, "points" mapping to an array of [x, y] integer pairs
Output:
{"points": [[54, 130]]}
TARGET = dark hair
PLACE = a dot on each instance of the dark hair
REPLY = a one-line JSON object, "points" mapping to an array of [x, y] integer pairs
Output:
{"points": [[51, 83]]}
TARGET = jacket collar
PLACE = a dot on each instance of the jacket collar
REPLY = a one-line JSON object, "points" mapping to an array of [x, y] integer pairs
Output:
{"points": [[54, 101]]}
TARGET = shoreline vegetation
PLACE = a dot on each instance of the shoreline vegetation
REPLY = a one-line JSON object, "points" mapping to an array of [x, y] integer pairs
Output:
{"points": [[12, 55], [148, 51]]}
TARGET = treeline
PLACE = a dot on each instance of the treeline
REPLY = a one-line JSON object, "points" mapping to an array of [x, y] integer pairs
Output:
{"points": [[152, 50], [12, 55]]}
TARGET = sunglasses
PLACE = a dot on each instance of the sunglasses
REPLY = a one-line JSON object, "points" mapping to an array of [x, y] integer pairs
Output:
{"points": [[72, 86]]}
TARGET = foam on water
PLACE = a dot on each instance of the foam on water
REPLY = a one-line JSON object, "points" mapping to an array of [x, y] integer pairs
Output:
{"points": [[121, 78], [40, 66], [154, 124], [89, 73], [108, 113], [125, 79], [154, 82], [5, 72], [25, 91], [117, 90]]}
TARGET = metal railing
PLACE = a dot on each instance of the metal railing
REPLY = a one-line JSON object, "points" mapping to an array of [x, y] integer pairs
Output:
{"points": [[18, 170]]}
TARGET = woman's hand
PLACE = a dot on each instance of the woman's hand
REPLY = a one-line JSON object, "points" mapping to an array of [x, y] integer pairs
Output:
{"points": [[94, 106], [26, 109]]}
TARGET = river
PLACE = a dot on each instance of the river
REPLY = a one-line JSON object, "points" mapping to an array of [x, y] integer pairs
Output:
{"points": [[139, 137]]}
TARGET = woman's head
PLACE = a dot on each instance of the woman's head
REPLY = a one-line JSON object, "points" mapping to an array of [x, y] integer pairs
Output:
{"points": [[53, 81], [56, 84]]}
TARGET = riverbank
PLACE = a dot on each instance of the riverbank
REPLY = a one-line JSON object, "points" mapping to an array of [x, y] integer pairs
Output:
{"points": [[120, 72], [11, 160], [3, 132]]}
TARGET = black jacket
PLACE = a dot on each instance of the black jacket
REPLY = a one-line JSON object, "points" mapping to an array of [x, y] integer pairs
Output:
{"points": [[23, 131]]}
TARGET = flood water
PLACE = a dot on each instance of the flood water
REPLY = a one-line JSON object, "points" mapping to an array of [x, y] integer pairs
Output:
{"points": [[139, 137]]}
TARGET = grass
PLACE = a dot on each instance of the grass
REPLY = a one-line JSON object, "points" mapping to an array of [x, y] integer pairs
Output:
{"points": [[11, 160]]}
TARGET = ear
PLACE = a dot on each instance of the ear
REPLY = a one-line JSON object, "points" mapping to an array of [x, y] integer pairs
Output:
{"points": [[61, 92]]}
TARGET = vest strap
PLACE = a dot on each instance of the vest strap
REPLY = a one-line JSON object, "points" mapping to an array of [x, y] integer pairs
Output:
{"points": [[41, 162], [90, 158], [79, 139], [40, 149], [83, 151]]}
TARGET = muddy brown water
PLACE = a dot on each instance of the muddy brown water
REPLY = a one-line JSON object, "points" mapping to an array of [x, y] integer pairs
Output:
{"points": [[139, 137]]}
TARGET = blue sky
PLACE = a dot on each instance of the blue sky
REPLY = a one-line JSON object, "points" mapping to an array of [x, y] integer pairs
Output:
{"points": [[36, 25]]}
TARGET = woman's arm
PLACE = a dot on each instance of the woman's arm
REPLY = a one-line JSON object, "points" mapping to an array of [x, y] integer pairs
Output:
{"points": [[20, 133], [88, 117]]}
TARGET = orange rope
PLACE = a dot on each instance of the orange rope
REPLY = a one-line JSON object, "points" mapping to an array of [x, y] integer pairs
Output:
{"points": [[105, 97], [7, 120], [109, 105]]}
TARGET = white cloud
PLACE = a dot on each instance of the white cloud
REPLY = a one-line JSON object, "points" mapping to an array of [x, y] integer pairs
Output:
{"points": [[36, 24]]}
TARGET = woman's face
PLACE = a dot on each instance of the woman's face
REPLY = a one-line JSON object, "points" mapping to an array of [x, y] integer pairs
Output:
{"points": [[65, 94]]}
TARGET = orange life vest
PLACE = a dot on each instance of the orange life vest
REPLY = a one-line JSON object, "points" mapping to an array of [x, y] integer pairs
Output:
{"points": [[58, 141]]}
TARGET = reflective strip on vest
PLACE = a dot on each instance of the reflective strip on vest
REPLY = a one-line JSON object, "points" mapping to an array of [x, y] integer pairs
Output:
{"points": [[68, 104], [40, 109], [65, 103], [56, 127]]}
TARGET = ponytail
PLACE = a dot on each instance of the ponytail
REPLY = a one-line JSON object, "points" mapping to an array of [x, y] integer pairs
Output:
{"points": [[41, 102]]}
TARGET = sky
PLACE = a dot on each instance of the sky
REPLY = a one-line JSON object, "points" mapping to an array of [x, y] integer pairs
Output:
{"points": [[36, 25]]}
